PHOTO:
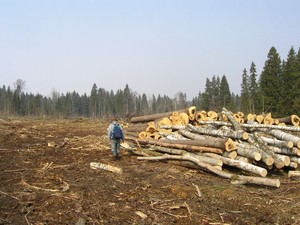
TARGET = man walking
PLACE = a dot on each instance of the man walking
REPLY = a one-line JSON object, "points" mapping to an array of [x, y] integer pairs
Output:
{"points": [[115, 135]]}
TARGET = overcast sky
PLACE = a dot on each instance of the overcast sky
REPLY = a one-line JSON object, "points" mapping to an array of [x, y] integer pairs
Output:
{"points": [[154, 46]]}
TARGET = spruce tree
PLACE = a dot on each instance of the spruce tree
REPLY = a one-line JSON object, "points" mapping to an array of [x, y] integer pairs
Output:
{"points": [[296, 104], [253, 88], [245, 95], [270, 83], [289, 90], [225, 95]]}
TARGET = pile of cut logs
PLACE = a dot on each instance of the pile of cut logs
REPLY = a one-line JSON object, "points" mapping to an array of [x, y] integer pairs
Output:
{"points": [[215, 142]]}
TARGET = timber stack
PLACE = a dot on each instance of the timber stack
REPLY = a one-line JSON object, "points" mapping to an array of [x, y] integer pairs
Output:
{"points": [[255, 144]]}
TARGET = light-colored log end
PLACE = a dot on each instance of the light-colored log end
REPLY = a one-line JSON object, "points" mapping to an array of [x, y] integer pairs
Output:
{"points": [[257, 156], [230, 145], [269, 161], [289, 144], [264, 173], [245, 136]]}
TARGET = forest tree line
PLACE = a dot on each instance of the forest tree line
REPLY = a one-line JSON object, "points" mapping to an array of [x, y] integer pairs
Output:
{"points": [[275, 90]]}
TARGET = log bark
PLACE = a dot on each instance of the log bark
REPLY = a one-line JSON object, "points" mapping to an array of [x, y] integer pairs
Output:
{"points": [[136, 128], [286, 137], [293, 165], [278, 143], [286, 151], [169, 150], [236, 125], [173, 127], [295, 159], [291, 120], [187, 157], [252, 152], [207, 141], [231, 154], [241, 165], [294, 174], [254, 126], [258, 142], [102, 166], [147, 118], [220, 133], [181, 146], [257, 180]]}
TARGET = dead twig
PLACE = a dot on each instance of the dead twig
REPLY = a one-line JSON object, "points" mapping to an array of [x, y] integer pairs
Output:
{"points": [[166, 212], [198, 190], [27, 219], [65, 186], [4, 193]]}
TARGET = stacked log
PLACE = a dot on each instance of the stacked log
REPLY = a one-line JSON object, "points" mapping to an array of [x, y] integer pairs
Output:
{"points": [[255, 144]]}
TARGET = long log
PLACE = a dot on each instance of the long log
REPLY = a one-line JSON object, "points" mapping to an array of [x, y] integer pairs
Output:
{"points": [[278, 143], [172, 151], [181, 146], [236, 125], [295, 159], [286, 151], [234, 178], [254, 126], [207, 141], [258, 142], [240, 164], [285, 136], [220, 133], [266, 158], [257, 180], [246, 152], [173, 127], [152, 117], [136, 127], [291, 120]]}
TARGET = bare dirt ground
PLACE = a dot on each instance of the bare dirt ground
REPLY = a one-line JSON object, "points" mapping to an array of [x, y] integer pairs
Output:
{"points": [[47, 180]]}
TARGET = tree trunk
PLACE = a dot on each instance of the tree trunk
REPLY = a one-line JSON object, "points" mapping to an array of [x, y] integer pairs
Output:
{"points": [[240, 164], [257, 180], [290, 120], [258, 142], [220, 133], [255, 153], [278, 143], [186, 146], [207, 141], [286, 151], [152, 117], [136, 128], [236, 125], [285, 136]]}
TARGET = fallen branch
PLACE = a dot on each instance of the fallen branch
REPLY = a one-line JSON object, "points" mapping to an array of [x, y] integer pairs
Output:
{"points": [[64, 187]]}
